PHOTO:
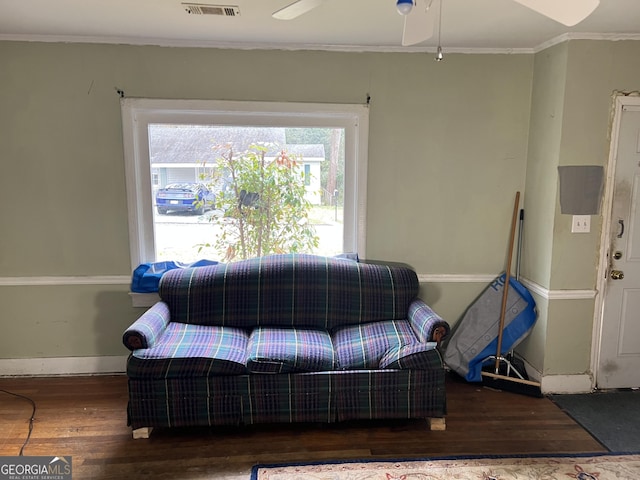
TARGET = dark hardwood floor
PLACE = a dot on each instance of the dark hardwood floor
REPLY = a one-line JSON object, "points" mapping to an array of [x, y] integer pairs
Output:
{"points": [[85, 417]]}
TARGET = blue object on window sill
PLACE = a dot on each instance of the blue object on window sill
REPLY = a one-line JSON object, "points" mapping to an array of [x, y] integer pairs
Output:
{"points": [[146, 277], [349, 256]]}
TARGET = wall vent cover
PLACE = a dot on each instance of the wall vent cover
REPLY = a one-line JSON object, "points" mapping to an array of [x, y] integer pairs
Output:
{"points": [[205, 9]]}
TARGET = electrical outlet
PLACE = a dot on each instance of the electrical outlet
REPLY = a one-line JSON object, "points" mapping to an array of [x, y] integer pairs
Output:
{"points": [[581, 224]]}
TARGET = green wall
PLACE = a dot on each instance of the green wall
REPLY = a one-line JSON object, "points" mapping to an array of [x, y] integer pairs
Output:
{"points": [[571, 111], [608, 66], [595, 70], [64, 320], [447, 152], [545, 136], [450, 143]]}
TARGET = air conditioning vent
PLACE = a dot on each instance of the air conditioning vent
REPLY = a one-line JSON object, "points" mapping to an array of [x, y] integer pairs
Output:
{"points": [[204, 9]]}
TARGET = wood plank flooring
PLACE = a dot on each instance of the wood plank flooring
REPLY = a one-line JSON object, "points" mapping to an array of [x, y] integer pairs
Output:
{"points": [[85, 417]]}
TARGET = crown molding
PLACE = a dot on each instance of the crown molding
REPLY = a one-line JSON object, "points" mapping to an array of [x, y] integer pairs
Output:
{"points": [[565, 37], [163, 42]]}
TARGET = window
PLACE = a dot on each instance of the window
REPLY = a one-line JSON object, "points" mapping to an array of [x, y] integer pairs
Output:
{"points": [[155, 159], [307, 174]]}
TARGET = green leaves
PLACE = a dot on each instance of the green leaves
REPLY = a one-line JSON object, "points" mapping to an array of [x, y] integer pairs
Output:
{"points": [[265, 209]]}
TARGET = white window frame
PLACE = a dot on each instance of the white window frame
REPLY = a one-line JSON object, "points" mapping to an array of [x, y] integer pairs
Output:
{"points": [[138, 113]]}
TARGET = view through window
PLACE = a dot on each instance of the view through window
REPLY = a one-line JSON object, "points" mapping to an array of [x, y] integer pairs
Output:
{"points": [[231, 192], [225, 180]]}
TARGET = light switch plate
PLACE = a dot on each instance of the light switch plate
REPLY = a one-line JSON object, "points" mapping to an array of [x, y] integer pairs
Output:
{"points": [[581, 224]]}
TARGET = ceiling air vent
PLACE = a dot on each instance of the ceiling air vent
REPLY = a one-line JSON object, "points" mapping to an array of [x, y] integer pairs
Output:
{"points": [[204, 9]]}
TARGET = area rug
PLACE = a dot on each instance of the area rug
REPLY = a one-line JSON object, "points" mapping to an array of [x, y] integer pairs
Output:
{"points": [[579, 467]]}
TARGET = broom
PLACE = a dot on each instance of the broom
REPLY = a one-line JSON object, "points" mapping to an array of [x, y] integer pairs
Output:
{"points": [[496, 379]]}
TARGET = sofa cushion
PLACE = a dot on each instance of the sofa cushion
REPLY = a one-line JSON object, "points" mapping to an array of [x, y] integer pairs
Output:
{"points": [[192, 350], [302, 290], [362, 346], [417, 356], [286, 350]]}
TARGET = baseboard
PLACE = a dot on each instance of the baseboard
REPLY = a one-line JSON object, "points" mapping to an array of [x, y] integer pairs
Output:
{"points": [[581, 383], [62, 366], [549, 384], [117, 365]]}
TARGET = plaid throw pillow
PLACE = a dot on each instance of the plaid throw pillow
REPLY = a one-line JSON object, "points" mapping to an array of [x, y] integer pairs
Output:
{"points": [[286, 350], [418, 356], [362, 346]]}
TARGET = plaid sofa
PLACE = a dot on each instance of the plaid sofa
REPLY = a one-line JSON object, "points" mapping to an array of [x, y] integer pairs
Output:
{"points": [[285, 338]]}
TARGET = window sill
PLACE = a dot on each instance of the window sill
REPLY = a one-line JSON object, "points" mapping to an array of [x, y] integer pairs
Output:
{"points": [[144, 299]]}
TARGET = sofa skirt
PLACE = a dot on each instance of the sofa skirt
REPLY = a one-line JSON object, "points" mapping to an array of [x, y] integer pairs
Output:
{"points": [[286, 398]]}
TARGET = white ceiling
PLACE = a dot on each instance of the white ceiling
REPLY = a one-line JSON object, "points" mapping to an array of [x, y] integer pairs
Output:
{"points": [[467, 25]]}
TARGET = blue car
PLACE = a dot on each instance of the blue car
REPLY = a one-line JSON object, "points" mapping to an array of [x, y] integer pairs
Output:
{"points": [[185, 197]]}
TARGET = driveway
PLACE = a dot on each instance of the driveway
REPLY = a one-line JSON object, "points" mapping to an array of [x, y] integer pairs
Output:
{"points": [[183, 236]]}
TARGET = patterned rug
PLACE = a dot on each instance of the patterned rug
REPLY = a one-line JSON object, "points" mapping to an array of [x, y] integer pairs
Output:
{"points": [[579, 467]]}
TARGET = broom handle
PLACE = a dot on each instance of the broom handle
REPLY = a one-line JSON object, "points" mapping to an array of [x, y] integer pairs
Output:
{"points": [[507, 276], [519, 250]]}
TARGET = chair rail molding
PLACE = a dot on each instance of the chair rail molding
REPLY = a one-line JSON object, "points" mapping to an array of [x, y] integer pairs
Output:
{"points": [[65, 280], [578, 294]]}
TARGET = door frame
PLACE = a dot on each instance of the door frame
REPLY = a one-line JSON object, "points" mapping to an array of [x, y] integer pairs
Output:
{"points": [[620, 100]]}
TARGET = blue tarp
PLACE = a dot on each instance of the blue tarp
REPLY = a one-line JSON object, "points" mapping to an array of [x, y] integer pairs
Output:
{"points": [[146, 277], [475, 337]]}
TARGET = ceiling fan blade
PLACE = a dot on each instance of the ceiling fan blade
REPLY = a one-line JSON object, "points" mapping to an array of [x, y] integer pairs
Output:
{"points": [[296, 9], [419, 24], [567, 12]]}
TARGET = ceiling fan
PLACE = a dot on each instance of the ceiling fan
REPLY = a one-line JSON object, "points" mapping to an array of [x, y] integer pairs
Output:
{"points": [[419, 17]]}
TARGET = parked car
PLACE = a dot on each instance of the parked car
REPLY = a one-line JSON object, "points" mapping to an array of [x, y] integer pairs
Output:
{"points": [[185, 197]]}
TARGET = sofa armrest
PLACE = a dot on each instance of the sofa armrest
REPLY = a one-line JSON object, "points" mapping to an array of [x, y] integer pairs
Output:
{"points": [[145, 331], [427, 324]]}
